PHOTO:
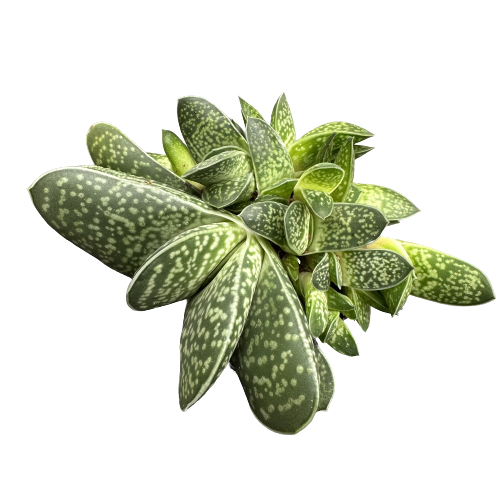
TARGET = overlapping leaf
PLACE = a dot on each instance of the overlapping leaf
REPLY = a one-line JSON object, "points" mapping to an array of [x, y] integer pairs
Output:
{"points": [[266, 219], [248, 110], [282, 188], [375, 299], [361, 308], [394, 205], [282, 121], [319, 202], [321, 274], [335, 269], [227, 193], [326, 381], [340, 338], [316, 305], [345, 160], [322, 177], [296, 225], [354, 194], [338, 301]]}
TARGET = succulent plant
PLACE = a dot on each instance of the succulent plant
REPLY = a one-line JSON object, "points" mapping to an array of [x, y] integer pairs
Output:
{"points": [[267, 237]]}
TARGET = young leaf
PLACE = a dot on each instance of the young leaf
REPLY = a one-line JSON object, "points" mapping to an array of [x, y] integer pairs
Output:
{"points": [[177, 152], [361, 308], [118, 218], [446, 279], [291, 264], [214, 320], [322, 177], [266, 219], [316, 305], [397, 296], [282, 121], [282, 188], [345, 160], [297, 227], [320, 275], [338, 301], [394, 205], [205, 127], [227, 193], [275, 358], [319, 202], [326, 382], [340, 338], [270, 157], [354, 194], [248, 110], [335, 269]]}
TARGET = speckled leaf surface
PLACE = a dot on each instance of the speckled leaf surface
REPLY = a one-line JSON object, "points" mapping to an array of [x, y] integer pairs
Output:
{"points": [[161, 159], [291, 264], [237, 208], [360, 150], [316, 305], [340, 338], [270, 157], [326, 381], [227, 193], [397, 296], [446, 279], [394, 205], [205, 127], [223, 149], [111, 148], [349, 226], [214, 320], [353, 194], [335, 269], [333, 317], [322, 177], [305, 151], [282, 121], [361, 308], [321, 274], [338, 301], [373, 269], [178, 268], [118, 218], [266, 219], [345, 160], [248, 110], [375, 299], [282, 188], [275, 356], [272, 197], [319, 202], [296, 225]]}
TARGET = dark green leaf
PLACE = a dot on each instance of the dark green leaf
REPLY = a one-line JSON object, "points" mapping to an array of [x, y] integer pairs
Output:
{"points": [[361, 308], [228, 193], [248, 110], [335, 269], [338, 301], [291, 264], [340, 338], [326, 382], [319, 202], [321, 275], [297, 220], [266, 219], [375, 299]]}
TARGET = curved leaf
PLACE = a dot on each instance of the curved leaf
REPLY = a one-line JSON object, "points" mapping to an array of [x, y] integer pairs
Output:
{"points": [[319, 202], [335, 269], [272, 197], [222, 149], [296, 223], [321, 275], [326, 382], [248, 110], [322, 177], [266, 219], [353, 195], [338, 301], [228, 193], [177, 152], [375, 299], [316, 305], [282, 188], [282, 121], [345, 160], [340, 338], [161, 159], [394, 205], [361, 308], [397, 296], [291, 263], [360, 150]]}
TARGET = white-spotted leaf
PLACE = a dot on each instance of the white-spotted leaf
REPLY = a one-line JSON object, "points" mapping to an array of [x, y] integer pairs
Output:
{"points": [[394, 205], [319, 202], [228, 193], [297, 220], [282, 121]]}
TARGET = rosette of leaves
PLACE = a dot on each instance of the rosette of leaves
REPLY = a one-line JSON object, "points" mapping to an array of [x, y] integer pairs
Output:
{"points": [[267, 237]]}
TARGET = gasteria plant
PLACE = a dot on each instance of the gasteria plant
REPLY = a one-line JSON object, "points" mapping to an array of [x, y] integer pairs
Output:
{"points": [[268, 238]]}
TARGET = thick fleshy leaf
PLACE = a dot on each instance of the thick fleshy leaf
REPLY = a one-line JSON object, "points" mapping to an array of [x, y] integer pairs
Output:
{"points": [[275, 356], [161, 159], [248, 110], [297, 219], [178, 268], [316, 305], [351, 314], [272, 197], [373, 269], [361, 308], [118, 218], [266, 219], [220, 265], [326, 382], [360, 150], [270, 157], [291, 263], [319, 202], [282, 188], [228, 166], [394, 205], [353, 194], [205, 127], [349, 226], [282, 121], [322, 177], [333, 317], [375, 299], [446, 279], [305, 151], [340, 338], [239, 207], [345, 160], [214, 320], [177, 152], [111, 148], [223, 149], [241, 131], [335, 269], [338, 301], [321, 275], [397, 296], [228, 193]]}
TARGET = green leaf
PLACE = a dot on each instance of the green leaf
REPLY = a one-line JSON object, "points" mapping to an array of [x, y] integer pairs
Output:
{"points": [[333, 317], [326, 382], [297, 219], [270, 157], [282, 188], [360, 150], [353, 194], [240, 130], [319, 202], [322, 177], [248, 110], [282, 121], [178, 268], [375, 299], [345, 160], [446, 279], [228, 193], [223, 149], [338, 301], [349, 226], [361, 308], [177, 152], [272, 197], [305, 151], [335, 269], [161, 159], [340, 338], [320, 275], [238, 207], [205, 127], [316, 305], [118, 218], [373, 269], [394, 205], [397, 296], [291, 264], [226, 166], [266, 219], [111, 148], [214, 320], [275, 356]]}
